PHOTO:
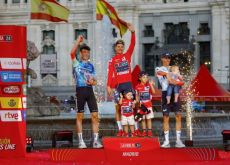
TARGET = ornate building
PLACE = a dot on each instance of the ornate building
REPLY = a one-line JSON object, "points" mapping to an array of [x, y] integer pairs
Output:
{"points": [[179, 27]]}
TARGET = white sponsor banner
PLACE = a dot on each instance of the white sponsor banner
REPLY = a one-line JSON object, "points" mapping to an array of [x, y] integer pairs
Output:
{"points": [[11, 116], [24, 102], [24, 63], [11, 63]]}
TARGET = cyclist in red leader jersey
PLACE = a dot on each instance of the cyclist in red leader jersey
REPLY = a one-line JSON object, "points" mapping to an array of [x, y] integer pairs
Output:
{"points": [[119, 72]]}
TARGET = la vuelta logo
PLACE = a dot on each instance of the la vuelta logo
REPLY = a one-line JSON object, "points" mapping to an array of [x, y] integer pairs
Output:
{"points": [[5, 38]]}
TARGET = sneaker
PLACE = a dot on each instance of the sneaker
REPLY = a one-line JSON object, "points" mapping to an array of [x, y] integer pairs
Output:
{"points": [[120, 132], [165, 144], [144, 133], [82, 145], [137, 132], [125, 134], [133, 134], [179, 144], [97, 144], [150, 134]]}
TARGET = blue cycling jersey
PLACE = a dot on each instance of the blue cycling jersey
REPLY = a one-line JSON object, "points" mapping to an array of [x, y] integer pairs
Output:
{"points": [[83, 71]]}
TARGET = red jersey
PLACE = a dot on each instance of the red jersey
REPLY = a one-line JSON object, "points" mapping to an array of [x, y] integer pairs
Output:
{"points": [[119, 69], [127, 107], [144, 93]]}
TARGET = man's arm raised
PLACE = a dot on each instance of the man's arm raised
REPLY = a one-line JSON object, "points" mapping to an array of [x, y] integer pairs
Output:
{"points": [[133, 41], [75, 47]]}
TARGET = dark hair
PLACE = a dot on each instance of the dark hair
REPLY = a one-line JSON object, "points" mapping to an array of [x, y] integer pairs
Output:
{"points": [[120, 42], [84, 46], [141, 74], [127, 91], [166, 55]]}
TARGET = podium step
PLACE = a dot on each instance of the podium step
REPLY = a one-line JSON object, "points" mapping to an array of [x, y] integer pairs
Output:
{"points": [[119, 150]]}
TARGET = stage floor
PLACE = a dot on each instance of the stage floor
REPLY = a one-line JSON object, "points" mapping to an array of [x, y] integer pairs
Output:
{"points": [[116, 151], [44, 158]]}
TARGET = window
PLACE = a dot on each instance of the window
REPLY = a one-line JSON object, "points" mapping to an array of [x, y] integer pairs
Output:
{"points": [[205, 54], [150, 61], [48, 49], [185, 0], [148, 31], [81, 32], [203, 29], [15, 1], [50, 34], [25, 1], [176, 33], [5, 1]]}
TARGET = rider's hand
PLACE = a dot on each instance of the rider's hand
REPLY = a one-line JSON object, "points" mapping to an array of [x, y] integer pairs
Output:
{"points": [[80, 39], [151, 82], [130, 27]]}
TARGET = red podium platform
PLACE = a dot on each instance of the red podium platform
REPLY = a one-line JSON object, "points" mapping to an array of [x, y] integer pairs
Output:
{"points": [[117, 151], [134, 150]]}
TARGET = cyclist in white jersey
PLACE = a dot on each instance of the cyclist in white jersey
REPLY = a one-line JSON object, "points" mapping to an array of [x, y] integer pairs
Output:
{"points": [[161, 73]]}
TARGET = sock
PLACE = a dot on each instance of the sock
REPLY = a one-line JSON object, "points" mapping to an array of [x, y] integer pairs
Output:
{"points": [[119, 125], [166, 135], [80, 137], [149, 130], [95, 135], [136, 125], [178, 134]]}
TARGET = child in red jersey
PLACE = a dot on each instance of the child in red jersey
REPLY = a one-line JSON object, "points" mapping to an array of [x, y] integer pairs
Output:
{"points": [[127, 118], [144, 91]]}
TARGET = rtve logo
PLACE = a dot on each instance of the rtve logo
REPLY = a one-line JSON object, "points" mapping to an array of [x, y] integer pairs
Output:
{"points": [[11, 116]]}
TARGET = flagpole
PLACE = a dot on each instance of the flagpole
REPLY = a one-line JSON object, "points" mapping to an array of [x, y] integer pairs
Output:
{"points": [[94, 28], [28, 25]]}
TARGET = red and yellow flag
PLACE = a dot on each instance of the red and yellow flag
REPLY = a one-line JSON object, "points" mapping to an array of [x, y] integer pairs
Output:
{"points": [[49, 10], [104, 8]]}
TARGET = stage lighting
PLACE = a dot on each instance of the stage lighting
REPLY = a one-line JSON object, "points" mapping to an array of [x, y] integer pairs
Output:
{"points": [[29, 144]]}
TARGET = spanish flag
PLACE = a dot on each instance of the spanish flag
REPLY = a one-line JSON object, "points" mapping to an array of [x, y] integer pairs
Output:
{"points": [[49, 10], [104, 8]]}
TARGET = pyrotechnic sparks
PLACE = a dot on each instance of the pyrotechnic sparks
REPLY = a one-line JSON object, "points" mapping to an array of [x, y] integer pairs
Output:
{"points": [[185, 61]]}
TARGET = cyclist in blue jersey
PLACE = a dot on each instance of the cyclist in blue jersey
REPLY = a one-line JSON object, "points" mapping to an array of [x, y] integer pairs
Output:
{"points": [[84, 74]]}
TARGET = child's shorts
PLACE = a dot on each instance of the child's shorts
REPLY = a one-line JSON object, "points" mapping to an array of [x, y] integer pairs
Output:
{"points": [[127, 120], [149, 115]]}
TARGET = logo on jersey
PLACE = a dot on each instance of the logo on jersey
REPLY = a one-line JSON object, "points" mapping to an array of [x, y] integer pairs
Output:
{"points": [[123, 59], [122, 67]]}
